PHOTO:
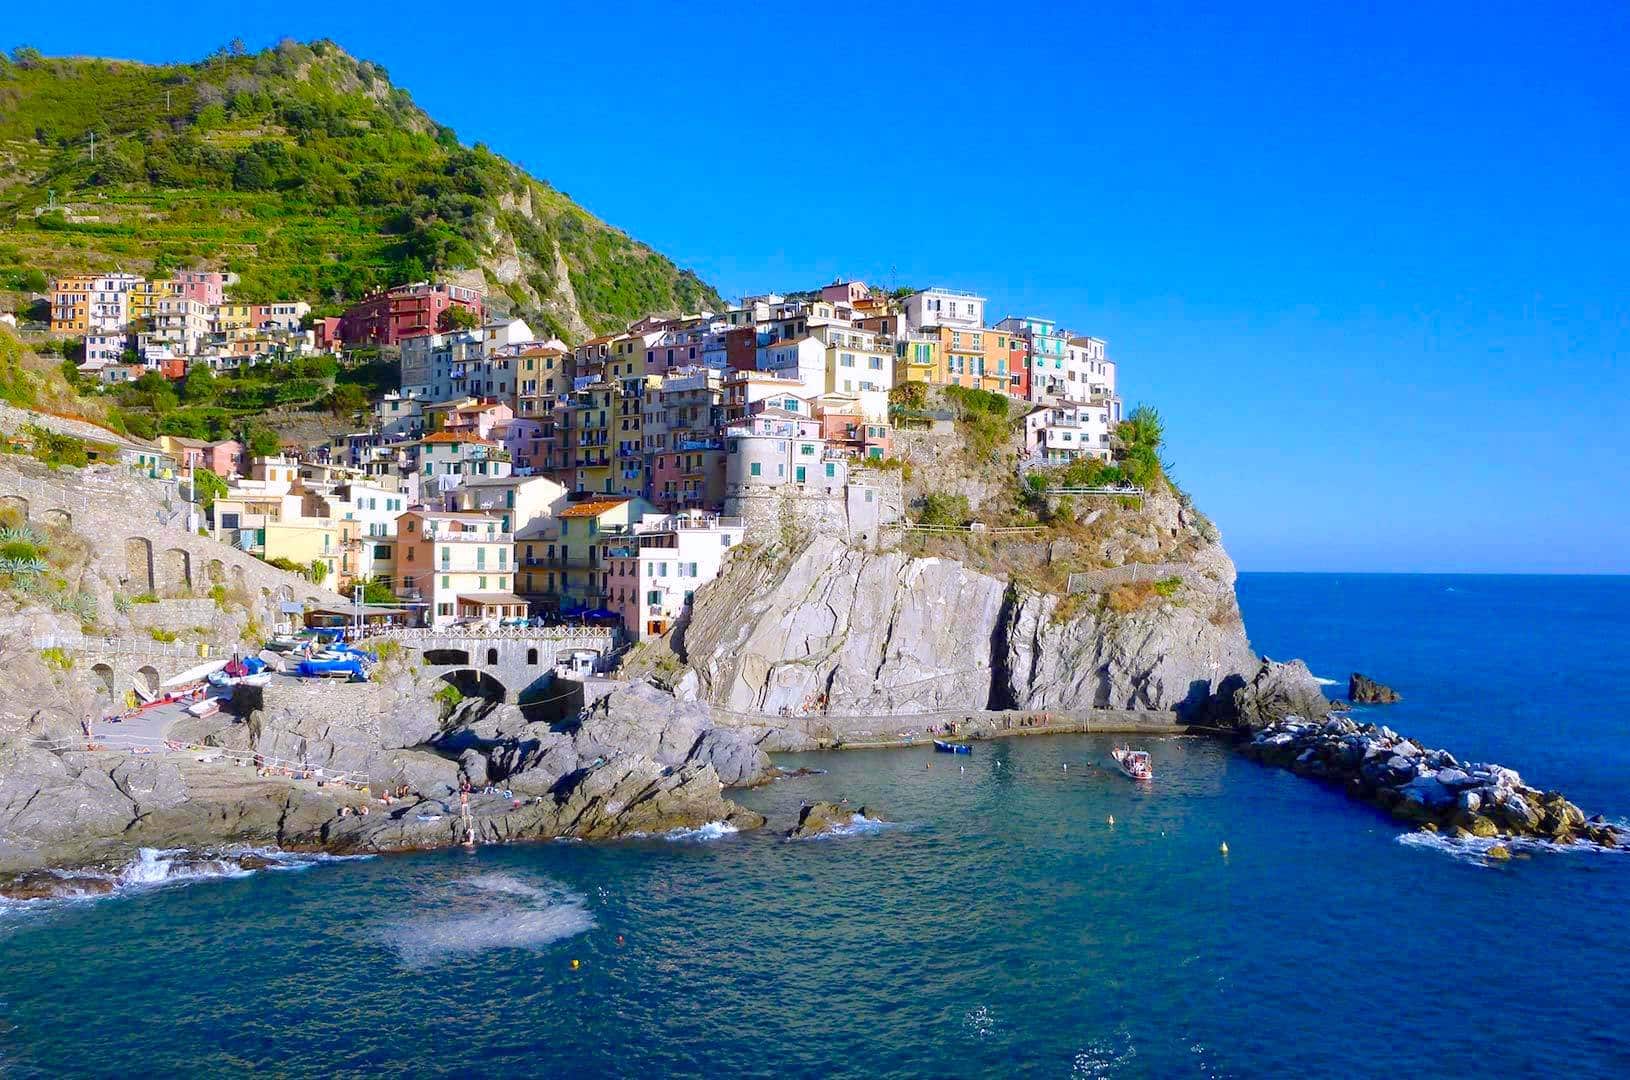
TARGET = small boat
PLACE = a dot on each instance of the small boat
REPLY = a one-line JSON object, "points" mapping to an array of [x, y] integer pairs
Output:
{"points": [[952, 747], [206, 707], [1134, 763]]}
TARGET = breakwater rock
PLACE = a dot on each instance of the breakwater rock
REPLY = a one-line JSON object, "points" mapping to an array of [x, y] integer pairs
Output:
{"points": [[1428, 787]]}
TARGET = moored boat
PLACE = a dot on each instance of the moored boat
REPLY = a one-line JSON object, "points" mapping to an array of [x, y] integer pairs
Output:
{"points": [[952, 747], [1134, 763]]}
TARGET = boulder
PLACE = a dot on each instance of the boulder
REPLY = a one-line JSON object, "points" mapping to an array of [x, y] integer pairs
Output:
{"points": [[629, 794], [1276, 691], [734, 756], [1363, 690], [827, 818]]}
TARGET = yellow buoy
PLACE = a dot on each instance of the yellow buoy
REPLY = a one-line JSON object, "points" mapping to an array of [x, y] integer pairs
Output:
{"points": [[576, 964], [1224, 848]]}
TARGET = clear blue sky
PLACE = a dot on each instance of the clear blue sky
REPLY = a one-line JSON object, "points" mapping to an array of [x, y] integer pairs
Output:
{"points": [[1372, 265]]}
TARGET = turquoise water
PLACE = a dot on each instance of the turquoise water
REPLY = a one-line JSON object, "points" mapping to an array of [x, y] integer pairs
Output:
{"points": [[1002, 927]]}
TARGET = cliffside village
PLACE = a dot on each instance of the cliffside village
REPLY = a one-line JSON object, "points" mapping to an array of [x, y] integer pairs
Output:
{"points": [[514, 478]]}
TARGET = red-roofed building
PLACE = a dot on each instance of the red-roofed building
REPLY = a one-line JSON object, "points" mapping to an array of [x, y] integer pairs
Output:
{"points": [[405, 311]]}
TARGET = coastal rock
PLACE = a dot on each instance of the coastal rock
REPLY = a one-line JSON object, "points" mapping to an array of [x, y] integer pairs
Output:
{"points": [[828, 818], [1277, 691], [629, 794], [856, 633], [640, 719], [1363, 690]]}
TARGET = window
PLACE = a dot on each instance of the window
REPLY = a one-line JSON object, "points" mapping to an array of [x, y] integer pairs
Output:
{"points": [[831, 469], [798, 474], [755, 469]]}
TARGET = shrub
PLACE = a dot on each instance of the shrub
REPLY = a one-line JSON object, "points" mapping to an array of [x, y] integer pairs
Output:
{"points": [[1125, 599], [944, 509], [55, 656], [160, 634], [1168, 587], [449, 696]]}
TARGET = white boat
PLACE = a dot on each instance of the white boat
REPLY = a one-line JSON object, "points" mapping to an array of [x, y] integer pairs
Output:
{"points": [[1134, 763]]}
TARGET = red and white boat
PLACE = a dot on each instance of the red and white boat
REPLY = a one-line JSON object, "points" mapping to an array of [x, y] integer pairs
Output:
{"points": [[1134, 763]]}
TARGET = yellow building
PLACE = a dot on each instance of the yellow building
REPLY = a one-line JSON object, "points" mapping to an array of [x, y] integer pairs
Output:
{"points": [[233, 319], [71, 303], [917, 358], [304, 540]]}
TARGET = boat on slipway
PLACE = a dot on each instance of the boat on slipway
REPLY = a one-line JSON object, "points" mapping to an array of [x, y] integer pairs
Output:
{"points": [[952, 747]]}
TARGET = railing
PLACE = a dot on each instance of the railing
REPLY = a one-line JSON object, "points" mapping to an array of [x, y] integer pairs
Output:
{"points": [[513, 633], [977, 527], [1127, 491]]}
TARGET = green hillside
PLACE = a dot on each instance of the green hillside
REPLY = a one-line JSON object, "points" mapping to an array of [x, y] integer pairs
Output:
{"points": [[307, 173]]}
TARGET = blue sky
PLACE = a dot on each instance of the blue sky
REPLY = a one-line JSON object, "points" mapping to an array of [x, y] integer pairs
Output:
{"points": [[1370, 261]]}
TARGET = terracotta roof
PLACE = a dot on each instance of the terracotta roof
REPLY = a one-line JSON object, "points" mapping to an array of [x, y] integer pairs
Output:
{"points": [[591, 508]]}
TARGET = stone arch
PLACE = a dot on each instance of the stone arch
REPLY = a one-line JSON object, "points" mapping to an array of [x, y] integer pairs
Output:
{"points": [[492, 656], [139, 563], [15, 504], [147, 679], [472, 682], [532, 656], [104, 678], [438, 657], [58, 519], [285, 593], [239, 580], [175, 568], [216, 570]]}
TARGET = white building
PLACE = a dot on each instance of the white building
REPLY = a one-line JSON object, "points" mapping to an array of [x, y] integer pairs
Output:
{"points": [[1065, 430], [654, 572], [399, 417], [945, 307], [517, 501], [773, 448], [803, 359]]}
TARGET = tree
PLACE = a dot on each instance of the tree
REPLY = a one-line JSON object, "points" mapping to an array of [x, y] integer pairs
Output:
{"points": [[209, 486], [317, 572], [200, 386], [262, 441], [347, 399], [375, 591], [457, 317]]}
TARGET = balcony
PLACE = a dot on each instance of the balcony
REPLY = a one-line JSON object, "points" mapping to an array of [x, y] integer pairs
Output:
{"points": [[441, 537]]}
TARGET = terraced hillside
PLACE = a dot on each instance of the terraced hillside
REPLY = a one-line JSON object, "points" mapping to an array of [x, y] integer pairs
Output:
{"points": [[306, 172]]}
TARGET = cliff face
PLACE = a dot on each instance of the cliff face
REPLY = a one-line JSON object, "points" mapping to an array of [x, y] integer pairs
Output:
{"points": [[853, 632]]}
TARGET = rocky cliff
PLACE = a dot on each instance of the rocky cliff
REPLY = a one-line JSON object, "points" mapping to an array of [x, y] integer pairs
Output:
{"points": [[847, 631]]}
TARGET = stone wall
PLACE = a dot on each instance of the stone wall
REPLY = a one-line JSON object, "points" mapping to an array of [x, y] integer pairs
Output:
{"points": [[139, 544], [855, 514]]}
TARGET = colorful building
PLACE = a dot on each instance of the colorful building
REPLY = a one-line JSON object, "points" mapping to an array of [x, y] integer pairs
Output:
{"points": [[654, 571], [459, 564]]}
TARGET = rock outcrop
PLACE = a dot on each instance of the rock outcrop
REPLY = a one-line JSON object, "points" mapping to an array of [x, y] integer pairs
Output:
{"points": [[844, 631], [831, 819], [1363, 690], [1277, 690], [1416, 784]]}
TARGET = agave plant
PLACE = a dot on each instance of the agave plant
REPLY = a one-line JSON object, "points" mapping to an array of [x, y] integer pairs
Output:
{"points": [[22, 567], [20, 534]]}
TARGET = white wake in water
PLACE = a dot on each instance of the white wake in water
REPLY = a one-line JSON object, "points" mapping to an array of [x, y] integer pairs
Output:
{"points": [[1474, 850], [1322, 681], [713, 830], [485, 912]]}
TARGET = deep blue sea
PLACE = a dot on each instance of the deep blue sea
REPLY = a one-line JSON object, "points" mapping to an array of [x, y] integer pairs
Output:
{"points": [[1003, 928]]}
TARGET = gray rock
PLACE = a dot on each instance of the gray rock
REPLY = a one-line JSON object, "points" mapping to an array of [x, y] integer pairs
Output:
{"points": [[1470, 801], [1454, 778], [733, 755], [1276, 691], [827, 818]]}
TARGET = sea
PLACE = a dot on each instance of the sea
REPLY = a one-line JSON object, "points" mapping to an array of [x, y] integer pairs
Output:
{"points": [[1024, 912]]}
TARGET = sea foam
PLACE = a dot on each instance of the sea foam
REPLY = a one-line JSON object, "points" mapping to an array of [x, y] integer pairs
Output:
{"points": [[488, 911]]}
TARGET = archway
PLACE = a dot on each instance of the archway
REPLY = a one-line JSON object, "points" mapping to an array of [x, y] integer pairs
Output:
{"points": [[147, 681], [474, 683], [216, 571], [239, 581], [438, 657], [13, 510], [176, 570], [532, 657], [104, 678], [492, 657], [58, 519], [139, 563]]}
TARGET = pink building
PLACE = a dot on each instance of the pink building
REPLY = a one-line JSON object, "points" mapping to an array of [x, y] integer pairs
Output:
{"points": [[224, 458], [204, 286], [852, 435], [523, 439], [845, 292]]}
